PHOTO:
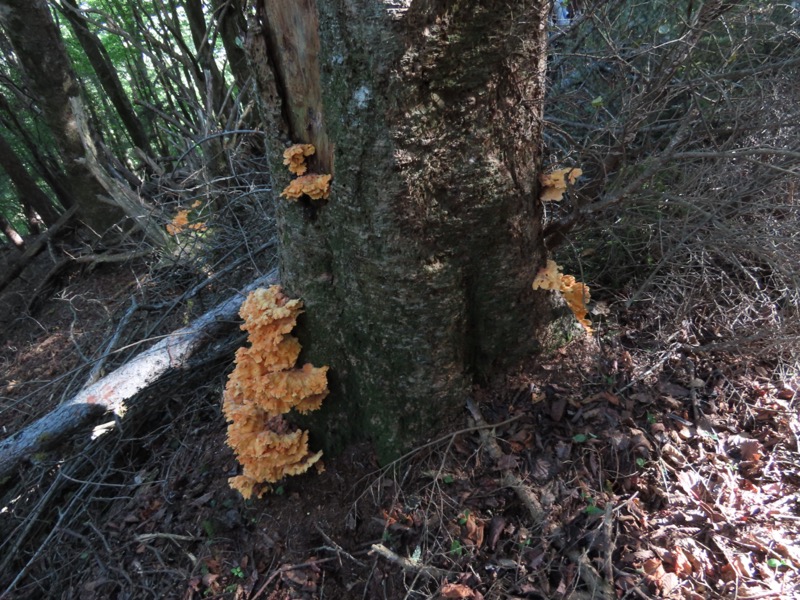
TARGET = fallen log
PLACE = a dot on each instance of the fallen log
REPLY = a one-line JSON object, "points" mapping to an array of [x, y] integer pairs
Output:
{"points": [[113, 392]]}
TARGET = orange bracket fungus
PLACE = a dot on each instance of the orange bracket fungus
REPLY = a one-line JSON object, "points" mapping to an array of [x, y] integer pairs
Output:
{"points": [[295, 157], [263, 387], [180, 222], [313, 185], [575, 293], [554, 184]]}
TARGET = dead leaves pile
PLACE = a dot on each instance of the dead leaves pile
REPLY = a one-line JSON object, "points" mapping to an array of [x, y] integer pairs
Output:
{"points": [[640, 497]]}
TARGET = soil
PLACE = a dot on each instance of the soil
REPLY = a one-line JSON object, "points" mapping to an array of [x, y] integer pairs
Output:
{"points": [[609, 470]]}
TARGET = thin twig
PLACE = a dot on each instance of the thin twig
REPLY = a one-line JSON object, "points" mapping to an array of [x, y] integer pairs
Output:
{"points": [[409, 565]]}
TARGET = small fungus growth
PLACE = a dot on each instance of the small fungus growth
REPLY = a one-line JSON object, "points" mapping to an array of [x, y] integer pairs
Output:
{"points": [[295, 157], [180, 222], [575, 293], [313, 185], [263, 387], [554, 184]]}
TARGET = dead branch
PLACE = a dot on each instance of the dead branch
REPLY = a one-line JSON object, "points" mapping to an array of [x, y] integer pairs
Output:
{"points": [[409, 565], [34, 247], [114, 392]]}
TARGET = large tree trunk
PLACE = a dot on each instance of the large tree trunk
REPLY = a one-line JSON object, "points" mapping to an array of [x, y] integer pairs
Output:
{"points": [[416, 272]]}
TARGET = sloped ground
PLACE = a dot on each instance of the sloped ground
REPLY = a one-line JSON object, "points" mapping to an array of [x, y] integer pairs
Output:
{"points": [[606, 471]]}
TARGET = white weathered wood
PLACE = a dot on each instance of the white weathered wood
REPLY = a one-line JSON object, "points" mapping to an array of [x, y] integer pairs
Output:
{"points": [[113, 392]]}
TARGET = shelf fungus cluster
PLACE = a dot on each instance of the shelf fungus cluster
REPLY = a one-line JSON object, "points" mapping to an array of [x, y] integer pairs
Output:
{"points": [[263, 387], [555, 183], [313, 185], [575, 293]]}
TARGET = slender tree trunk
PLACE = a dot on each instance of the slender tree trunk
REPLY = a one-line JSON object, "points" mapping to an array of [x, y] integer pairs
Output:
{"points": [[12, 234], [29, 192], [46, 165], [232, 29], [107, 75], [214, 82], [416, 272]]}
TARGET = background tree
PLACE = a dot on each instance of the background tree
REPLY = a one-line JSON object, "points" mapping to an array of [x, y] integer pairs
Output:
{"points": [[31, 197], [106, 73], [40, 50]]}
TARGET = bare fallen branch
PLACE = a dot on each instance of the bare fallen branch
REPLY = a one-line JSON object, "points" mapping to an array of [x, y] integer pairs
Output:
{"points": [[113, 392], [409, 565]]}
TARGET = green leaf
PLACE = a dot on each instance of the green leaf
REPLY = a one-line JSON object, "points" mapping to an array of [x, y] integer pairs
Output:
{"points": [[448, 479], [775, 563], [593, 510], [456, 548], [640, 462], [579, 438], [597, 102]]}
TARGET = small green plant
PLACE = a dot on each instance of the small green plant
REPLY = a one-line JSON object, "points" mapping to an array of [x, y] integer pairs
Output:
{"points": [[448, 479], [651, 419], [463, 517], [456, 549], [776, 563], [208, 527], [237, 572], [640, 462]]}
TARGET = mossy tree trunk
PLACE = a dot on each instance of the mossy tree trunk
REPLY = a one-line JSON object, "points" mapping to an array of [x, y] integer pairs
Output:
{"points": [[416, 272]]}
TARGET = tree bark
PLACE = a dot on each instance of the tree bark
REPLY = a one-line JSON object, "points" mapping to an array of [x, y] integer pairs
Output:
{"points": [[30, 194], [114, 392], [416, 273]]}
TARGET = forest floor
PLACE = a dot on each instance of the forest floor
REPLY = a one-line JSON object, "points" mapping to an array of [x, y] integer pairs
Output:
{"points": [[615, 468]]}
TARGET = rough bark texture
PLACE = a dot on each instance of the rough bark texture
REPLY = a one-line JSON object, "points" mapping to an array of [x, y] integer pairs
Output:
{"points": [[41, 52], [416, 273]]}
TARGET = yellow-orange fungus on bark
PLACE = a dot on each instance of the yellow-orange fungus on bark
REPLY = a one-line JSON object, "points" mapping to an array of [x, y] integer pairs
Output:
{"points": [[554, 184], [575, 293], [264, 386], [313, 185], [295, 157]]}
